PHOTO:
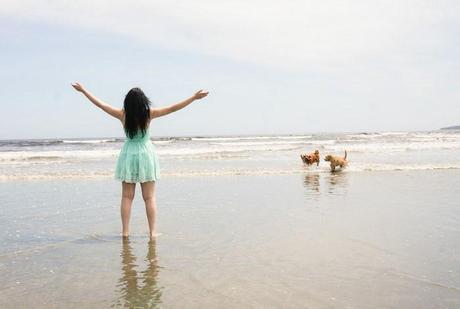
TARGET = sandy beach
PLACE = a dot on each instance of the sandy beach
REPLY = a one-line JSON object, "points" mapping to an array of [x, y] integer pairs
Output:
{"points": [[387, 239]]}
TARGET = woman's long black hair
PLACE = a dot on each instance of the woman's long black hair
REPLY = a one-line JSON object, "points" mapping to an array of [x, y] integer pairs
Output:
{"points": [[137, 112]]}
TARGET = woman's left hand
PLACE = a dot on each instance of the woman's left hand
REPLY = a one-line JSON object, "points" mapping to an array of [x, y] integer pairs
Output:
{"points": [[200, 94]]}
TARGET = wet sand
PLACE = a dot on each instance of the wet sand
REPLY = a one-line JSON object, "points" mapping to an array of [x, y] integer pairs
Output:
{"points": [[311, 240]]}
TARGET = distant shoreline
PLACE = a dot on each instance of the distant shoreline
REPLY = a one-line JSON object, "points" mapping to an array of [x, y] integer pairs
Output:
{"points": [[166, 137], [451, 128]]}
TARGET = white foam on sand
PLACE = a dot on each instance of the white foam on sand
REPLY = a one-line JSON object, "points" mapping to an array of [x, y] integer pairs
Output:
{"points": [[229, 172]]}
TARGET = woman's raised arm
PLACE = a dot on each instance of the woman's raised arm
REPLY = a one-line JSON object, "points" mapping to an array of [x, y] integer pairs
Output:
{"points": [[113, 111], [162, 111]]}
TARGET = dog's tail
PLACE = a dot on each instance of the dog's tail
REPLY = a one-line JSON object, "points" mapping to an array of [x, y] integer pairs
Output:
{"points": [[345, 155]]}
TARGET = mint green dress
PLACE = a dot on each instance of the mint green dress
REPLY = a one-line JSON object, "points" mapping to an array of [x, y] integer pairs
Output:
{"points": [[138, 160]]}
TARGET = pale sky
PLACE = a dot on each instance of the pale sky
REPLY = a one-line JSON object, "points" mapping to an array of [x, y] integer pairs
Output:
{"points": [[272, 67]]}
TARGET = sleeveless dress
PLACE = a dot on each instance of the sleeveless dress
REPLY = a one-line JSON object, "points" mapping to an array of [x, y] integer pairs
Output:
{"points": [[138, 161]]}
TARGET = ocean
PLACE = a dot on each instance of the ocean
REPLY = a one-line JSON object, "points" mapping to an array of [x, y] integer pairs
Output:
{"points": [[232, 155]]}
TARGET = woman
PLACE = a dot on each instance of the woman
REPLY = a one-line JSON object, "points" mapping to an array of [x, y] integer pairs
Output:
{"points": [[138, 161]]}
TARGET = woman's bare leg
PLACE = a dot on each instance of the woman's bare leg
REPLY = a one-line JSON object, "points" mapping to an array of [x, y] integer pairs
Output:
{"points": [[127, 196], [148, 194]]}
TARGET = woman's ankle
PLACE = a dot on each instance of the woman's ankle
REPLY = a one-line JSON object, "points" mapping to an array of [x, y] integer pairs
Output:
{"points": [[154, 235]]}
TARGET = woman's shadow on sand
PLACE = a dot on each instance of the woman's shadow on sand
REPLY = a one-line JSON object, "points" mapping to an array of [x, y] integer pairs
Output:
{"points": [[138, 289]]}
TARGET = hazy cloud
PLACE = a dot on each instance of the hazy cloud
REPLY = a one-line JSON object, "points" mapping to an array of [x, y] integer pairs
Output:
{"points": [[317, 35]]}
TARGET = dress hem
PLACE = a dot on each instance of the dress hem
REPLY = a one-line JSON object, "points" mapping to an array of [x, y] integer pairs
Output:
{"points": [[137, 180]]}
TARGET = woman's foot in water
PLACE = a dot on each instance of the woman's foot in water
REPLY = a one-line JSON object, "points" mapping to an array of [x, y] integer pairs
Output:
{"points": [[154, 235]]}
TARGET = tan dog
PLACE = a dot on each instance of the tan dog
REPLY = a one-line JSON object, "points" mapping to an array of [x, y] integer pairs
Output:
{"points": [[311, 158], [337, 161]]}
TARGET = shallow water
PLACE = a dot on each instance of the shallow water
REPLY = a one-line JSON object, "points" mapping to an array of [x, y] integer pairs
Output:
{"points": [[243, 155], [313, 239]]}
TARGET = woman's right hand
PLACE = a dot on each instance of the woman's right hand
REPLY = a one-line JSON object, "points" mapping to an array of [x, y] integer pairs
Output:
{"points": [[77, 86]]}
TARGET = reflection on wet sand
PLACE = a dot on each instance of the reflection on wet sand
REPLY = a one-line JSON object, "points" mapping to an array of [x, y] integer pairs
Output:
{"points": [[138, 289], [334, 183], [311, 182], [337, 182]]}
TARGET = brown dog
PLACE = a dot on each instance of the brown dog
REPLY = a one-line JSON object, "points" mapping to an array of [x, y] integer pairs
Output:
{"points": [[337, 161], [311, 158]]}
